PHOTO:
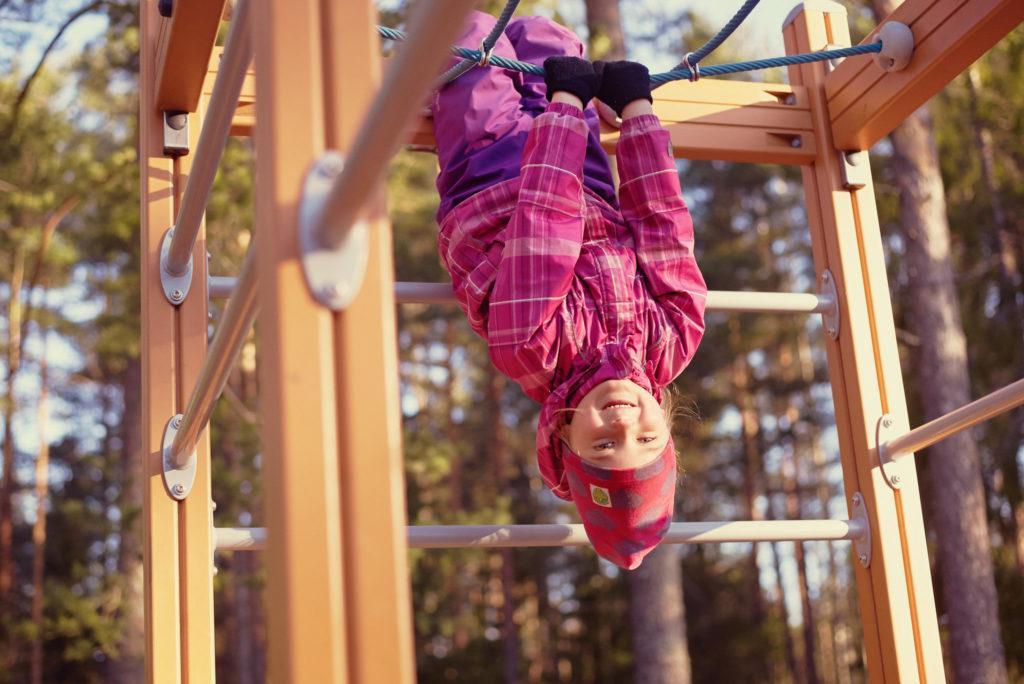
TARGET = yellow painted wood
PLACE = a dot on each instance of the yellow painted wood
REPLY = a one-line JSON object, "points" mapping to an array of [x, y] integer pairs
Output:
{"points": [[185, 42], [159, 360], [305, 599], [866, 103], [897, 611]]}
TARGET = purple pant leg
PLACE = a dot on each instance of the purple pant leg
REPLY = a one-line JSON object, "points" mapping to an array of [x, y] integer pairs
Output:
{"points": [[478, 124], [535, 39]]}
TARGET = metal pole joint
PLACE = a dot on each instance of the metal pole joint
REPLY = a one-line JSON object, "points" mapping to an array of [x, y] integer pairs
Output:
{"points": [[860, 528], [885, 431], [175, 286], [177, 479], [334, 274], [828, 295]]}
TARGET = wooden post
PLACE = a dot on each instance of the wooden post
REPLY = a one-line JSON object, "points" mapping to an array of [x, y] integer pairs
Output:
{"points": [[897, 607], [178, 552]]}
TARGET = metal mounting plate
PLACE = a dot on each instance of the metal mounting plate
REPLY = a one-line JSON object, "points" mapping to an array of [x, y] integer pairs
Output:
{"points": [[175, 287], [856, 169], [885, 430], [175, 133], [178, 481], [862, 542], [830, 316], [334, 275]]}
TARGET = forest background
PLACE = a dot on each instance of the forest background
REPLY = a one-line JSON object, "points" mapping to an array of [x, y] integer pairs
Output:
{"points": [[758, 440]]}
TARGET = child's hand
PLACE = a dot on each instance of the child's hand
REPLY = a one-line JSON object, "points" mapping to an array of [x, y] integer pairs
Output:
{"points": [[622, 83], [571, 75]]}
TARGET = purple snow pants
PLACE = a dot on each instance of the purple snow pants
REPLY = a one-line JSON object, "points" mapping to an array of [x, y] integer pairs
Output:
{"points": [[482, 118]]}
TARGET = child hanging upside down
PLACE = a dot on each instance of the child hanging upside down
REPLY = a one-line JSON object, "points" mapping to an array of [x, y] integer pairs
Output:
{"points": [[592, 303]]}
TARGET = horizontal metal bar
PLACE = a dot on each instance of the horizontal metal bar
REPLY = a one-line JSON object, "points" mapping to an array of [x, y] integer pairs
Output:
{"points": [[411, 75], [955, 421], [212, 139], [509, 536], [228, 339], [220, 287], [718, 300]]}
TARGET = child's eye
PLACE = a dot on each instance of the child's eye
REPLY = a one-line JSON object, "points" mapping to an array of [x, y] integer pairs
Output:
{"points": [[646, 439], [604, 446]]}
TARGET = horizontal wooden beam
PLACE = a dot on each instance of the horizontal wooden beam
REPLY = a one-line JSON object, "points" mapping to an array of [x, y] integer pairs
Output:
{"points": [[720, 120], [866, 103], [245, 116], [186, 41]]}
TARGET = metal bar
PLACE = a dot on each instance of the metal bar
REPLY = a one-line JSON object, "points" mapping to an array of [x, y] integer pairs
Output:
{"points": [[512, 536], [220, 287], [955, 421], [718, 300], [214, 136], [410, 75], [234, 327]]}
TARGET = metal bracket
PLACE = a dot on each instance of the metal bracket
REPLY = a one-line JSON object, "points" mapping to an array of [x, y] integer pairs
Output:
{"points": [[175, 287], [165, 8], [884, 431], [828, 293], [175, 133], [334, 275], [862, 542], [835, 61], [178, 481], [856, 169]]}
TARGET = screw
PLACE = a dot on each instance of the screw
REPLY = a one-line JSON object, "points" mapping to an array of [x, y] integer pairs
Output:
{"points": [[213, 505], [176, 422], [177, 295], [178, 489], [796, 142], [826, 276], [333, 291], [791, 99], [832, 331], [896, 479], [887, 421], [863, 558]]}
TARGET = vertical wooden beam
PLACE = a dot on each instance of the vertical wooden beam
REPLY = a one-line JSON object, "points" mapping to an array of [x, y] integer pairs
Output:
{"points": [[377, 593], [897, 608], [305, 601], [159, 360], [178, 552]]}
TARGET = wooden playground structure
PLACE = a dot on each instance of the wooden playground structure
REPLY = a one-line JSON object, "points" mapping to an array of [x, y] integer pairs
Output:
{"points": [[319, 272]]}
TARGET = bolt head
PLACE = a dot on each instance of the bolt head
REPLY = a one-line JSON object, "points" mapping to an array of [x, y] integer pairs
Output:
{"points": [[176, 422], [178, 489], [887, 421], [831, 331], [796, 142], [896, 479], [863, 558], [177, 295]]}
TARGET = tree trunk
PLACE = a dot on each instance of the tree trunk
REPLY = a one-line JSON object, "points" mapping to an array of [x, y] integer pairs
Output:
{"points": [[129, 664], [795, 673], [958, 514], [1011, 312], [753, 447], [13, 362], [790, 483], [604, 26], [657, 618], [39, 527]]}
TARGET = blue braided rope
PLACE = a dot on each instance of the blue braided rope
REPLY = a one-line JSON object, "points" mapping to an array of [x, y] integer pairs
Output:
{"points": [[488, 42], [719, 38], [674, 74]]}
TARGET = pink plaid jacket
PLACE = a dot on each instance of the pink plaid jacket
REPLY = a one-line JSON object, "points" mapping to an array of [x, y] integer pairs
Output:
{"points": [[567, 291]]}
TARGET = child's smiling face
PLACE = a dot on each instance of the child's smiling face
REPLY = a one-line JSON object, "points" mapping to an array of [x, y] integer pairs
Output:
{"points": [[618, 425]]}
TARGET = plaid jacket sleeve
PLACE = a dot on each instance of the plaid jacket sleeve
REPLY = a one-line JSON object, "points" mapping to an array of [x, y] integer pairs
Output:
{"points": [[653, 208], [542, 246]]}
